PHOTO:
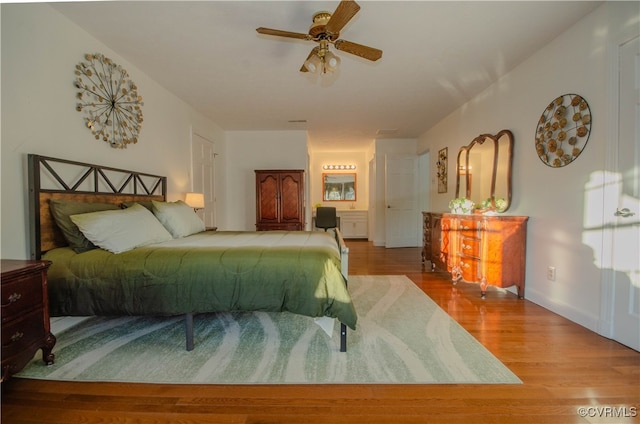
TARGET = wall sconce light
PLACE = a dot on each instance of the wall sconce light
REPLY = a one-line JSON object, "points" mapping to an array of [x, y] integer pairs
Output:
{"points": [[195, 200], [339, 167]]}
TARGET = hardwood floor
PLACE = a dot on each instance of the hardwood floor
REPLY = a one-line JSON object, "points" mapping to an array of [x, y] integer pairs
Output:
{"points": [[563, 367]]}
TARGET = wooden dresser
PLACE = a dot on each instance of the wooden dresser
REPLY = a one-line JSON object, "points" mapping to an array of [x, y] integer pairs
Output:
{"points": [[432, 241], [280, 200], [488, 250], [25, 314]]}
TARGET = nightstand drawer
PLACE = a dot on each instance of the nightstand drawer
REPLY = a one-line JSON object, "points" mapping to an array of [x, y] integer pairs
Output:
{"points": [[20, 334], [21, 295]]}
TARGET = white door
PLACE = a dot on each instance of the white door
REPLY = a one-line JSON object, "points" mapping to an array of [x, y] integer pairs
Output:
{"points": [[401, 224], [203, 168], [622, 207]]}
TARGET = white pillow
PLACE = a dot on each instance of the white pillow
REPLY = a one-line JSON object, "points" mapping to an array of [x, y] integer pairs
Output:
{"points": [[120, 230], [178, 218]]}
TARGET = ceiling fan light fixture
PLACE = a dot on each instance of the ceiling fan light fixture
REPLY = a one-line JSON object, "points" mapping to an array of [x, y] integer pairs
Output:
{"points": [[325, 30], [331, 61], [313, 63]]}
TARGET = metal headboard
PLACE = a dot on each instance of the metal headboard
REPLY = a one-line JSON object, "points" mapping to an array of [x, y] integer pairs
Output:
{"points": [[61, 179]]}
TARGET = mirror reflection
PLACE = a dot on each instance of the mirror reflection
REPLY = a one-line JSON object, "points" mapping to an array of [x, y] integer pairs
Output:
{"points": [[483, 172], [339, 186]]}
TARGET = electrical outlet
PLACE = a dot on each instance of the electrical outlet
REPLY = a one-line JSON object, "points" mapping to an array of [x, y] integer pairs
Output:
{"points": [[551, 273]]}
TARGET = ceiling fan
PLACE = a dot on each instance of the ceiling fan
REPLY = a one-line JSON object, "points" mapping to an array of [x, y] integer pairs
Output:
{"points": [[325, 30]]}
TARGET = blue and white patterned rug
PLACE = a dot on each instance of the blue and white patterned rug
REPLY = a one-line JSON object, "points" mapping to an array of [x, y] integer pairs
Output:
{"points": [[403, 337]]}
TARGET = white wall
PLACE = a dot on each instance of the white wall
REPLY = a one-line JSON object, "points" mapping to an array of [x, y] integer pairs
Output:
{"points": [[40, 49], [553, 198], [251, 150], [359, 159]]}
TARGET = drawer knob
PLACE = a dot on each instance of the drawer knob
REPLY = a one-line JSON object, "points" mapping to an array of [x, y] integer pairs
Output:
{"points": [[466, 247], [12, 298], [14, 338]]}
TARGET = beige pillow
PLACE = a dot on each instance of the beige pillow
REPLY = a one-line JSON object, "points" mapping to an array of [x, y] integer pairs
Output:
{"points": [[178, 218], [120, 230]]}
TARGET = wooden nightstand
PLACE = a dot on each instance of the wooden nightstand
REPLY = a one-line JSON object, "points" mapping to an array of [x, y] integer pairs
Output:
{"points": [[25, 314]]}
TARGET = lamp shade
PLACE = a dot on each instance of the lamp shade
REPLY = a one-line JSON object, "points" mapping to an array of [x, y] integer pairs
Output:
{"points": [[195, 200]]}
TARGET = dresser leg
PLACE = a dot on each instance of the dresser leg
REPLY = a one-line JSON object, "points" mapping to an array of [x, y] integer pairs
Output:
{"points": [[483, 288], [47, 354]]}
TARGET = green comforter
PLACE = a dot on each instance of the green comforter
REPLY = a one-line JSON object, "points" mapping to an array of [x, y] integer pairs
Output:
{"points": [[293, 271]]}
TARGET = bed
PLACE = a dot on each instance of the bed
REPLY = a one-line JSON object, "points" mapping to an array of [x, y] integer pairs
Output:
{"points": [[178, 273]]}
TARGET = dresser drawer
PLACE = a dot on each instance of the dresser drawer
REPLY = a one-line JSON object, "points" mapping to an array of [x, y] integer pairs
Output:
{"points": [[22, 333], [470, 268], [21, 295], [469, 247], [469, 228]]}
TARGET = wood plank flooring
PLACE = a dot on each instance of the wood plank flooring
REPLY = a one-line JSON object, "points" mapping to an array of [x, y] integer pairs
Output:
{"points": [[563, 367]]}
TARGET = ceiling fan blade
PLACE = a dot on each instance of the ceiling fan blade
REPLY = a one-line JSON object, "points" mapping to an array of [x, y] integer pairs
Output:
{"points": [[280, 33], [358, 49], [304, 65], [346, 10]]}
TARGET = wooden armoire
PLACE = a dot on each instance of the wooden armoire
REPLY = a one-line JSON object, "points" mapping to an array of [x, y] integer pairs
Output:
{"points": [[280, 199]]}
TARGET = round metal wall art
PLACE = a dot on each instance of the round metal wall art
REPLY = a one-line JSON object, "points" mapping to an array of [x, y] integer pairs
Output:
{"points": [[563, 130], [109, 100]]}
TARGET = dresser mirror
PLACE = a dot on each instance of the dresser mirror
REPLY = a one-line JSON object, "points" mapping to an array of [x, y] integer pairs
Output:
{"points": [[483, 172]]}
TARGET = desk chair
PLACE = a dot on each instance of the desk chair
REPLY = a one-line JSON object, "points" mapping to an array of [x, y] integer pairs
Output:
{"points": [[326, 217]]}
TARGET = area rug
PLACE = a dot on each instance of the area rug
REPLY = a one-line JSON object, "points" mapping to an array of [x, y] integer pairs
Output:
{"points": [[402, 337]]}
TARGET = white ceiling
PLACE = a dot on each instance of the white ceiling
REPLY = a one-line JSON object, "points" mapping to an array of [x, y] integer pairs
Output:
{"points": [[437, 56]]}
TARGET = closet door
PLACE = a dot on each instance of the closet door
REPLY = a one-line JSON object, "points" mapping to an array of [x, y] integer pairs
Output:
{"points": [[203, 171]]}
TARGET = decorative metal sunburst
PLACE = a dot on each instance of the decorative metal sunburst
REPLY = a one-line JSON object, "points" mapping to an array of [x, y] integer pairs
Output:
{"points": [[110, 100]]}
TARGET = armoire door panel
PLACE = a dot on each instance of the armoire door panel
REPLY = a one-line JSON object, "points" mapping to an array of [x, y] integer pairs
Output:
{"points": [[268, 198], [290, 204]]}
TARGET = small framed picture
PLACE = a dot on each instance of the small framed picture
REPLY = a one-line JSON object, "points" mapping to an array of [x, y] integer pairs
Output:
{"points": [[441, 166]]}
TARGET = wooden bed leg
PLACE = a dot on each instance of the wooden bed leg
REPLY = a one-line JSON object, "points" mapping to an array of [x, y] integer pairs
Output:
{"points": [[188, 328], [343, 337]]}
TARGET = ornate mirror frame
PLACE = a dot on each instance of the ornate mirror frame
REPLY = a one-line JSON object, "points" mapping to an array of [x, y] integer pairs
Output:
{"points": [[484, 168]]}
